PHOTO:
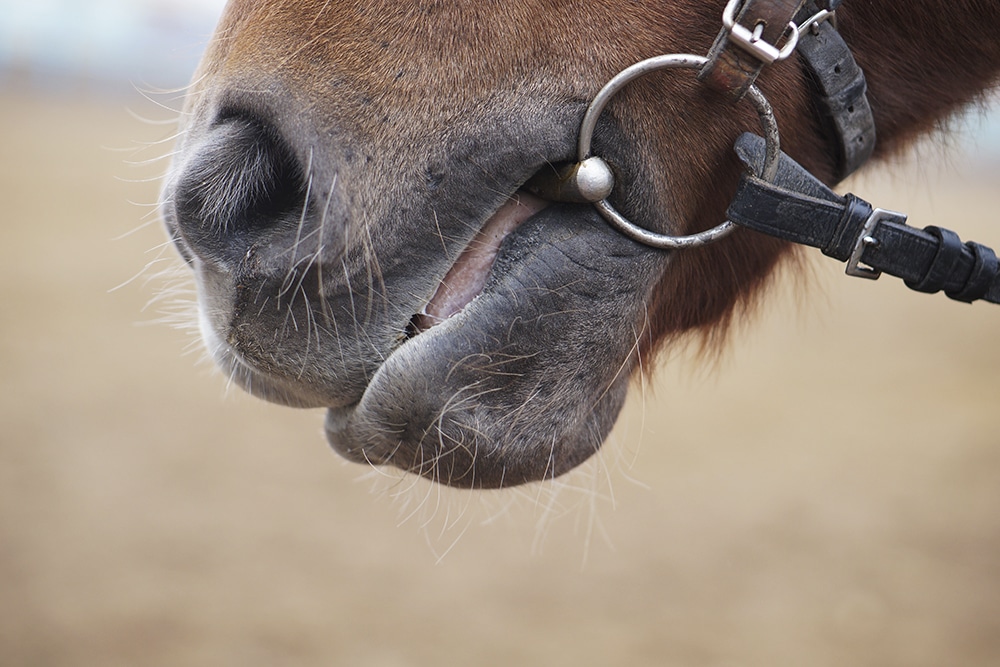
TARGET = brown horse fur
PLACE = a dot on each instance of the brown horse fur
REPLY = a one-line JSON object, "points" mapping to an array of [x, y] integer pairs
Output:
{"points": [[338, 152]]}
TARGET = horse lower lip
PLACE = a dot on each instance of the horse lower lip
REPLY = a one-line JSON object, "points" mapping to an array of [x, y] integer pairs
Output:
{"points": [[480, 401], [467, 276]]}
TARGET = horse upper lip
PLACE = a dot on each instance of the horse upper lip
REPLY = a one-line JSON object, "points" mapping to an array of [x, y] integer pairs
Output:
{"points": [[466, 278]]}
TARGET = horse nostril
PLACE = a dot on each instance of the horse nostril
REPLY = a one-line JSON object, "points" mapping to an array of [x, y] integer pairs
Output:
{"points": [[238, 185]]}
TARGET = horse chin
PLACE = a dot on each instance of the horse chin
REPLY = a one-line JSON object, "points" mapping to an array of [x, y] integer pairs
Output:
{"points": [[523, 383], [253, 379]]}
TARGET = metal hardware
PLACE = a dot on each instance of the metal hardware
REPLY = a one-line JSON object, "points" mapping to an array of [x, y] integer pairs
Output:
{"points": [[867, 239], [582, 182], [813, 22], [749, 40], [768, 124]]}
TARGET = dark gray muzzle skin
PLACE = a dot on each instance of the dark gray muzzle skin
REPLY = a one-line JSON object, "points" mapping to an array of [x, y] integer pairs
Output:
{"points": [[527, 381], [313, 249]]}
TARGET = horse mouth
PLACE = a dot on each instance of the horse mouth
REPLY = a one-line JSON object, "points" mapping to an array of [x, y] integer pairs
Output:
{"points": [[467, 277], [463, 283], [474, 338]]}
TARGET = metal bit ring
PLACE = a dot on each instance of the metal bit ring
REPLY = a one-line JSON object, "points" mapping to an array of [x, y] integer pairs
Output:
{"points": [[673, 61]]}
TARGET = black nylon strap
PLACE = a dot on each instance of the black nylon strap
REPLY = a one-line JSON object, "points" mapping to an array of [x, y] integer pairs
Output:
{"points": [[797, 207]]}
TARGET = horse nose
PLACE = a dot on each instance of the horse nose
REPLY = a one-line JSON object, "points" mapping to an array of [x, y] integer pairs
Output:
{"points": [[237, 189]]}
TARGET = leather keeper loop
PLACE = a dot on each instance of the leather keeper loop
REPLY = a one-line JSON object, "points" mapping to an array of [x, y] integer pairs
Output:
{"points": [[948, 253], [984, 270], [845, 237]]}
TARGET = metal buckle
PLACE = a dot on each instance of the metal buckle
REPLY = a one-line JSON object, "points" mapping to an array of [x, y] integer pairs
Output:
{"points": [[865, 239], [812, 23], [750, 41]]}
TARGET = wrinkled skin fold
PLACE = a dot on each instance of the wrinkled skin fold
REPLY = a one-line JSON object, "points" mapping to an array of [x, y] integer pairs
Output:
{"points": [[473, 400]]}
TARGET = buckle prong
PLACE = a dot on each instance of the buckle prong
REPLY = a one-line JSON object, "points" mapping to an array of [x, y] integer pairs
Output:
{"points": [[867, 239], [813, 22], [750, 41]]}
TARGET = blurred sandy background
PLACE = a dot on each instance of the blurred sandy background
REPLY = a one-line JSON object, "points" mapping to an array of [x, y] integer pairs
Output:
{"points": [[827, 494]]}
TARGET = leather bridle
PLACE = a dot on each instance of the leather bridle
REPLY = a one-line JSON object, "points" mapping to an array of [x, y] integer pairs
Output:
{"points": [[776, 195]]}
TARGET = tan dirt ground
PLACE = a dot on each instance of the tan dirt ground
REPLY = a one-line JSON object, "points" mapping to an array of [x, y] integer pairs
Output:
{"points": [[826, 495]]}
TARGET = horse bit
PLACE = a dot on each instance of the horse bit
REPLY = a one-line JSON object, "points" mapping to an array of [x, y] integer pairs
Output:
{"points": [[776, 195]]}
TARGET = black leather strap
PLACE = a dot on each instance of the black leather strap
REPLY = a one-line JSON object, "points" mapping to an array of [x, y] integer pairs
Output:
{"points": [[799, 208], [839, 91], [838, 84]]}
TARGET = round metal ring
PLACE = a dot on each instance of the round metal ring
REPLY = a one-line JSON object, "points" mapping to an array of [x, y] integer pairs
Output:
{"points": [[673, 61]]}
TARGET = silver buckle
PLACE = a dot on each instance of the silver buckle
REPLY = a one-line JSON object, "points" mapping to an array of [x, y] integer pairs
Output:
{"points": [[812, 23], [865, 239], [750, 41]]}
